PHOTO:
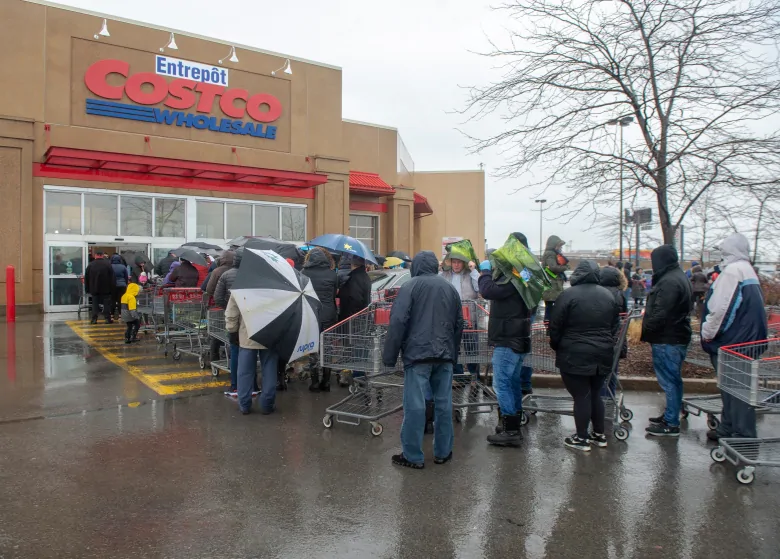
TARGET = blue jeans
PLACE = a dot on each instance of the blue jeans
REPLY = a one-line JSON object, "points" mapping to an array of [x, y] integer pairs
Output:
{"points": [[738, 418], [417, 377], [667, 362], [507, 383], [247, 376]]}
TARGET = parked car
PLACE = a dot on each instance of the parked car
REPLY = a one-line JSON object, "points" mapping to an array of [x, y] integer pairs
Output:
{"points": [[386, 283]]}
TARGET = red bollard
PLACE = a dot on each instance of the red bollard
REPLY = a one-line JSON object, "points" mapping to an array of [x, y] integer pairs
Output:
{"points": [[10, 294]]}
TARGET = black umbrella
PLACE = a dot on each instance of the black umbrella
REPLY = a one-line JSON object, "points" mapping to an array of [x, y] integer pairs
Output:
{"points": [[400, 254], [191, 256], [197, 246], [286, 250], [278, 305]]}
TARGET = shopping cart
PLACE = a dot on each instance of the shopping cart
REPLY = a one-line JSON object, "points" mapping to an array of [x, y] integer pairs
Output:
{"points": [[145, 307], [185, 323], [615, 411], [85, 304], [468, 391], [356, 344], [216, 329], [750, 372]]}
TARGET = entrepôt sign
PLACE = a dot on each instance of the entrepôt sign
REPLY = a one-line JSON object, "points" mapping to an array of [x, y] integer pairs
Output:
{"points": [[196, 86]]}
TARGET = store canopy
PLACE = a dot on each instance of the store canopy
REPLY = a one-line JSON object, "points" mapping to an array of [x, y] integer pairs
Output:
{"points": [[421, 205], [369, 183], [173, 170]]}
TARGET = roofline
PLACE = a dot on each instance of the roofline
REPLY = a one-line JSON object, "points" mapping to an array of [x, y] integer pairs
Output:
{"points": [[350, 121], [182, 33]]}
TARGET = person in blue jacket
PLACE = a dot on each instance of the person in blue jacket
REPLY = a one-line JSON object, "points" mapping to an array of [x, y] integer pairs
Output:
{"points": [[734, 314]]}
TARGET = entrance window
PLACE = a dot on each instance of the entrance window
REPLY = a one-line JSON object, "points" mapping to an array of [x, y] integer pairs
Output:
{"points": [[210, 220], [136, 216], [267, 221], [293, 224], [238, 218], [100, 214], [63, 213], [169, 217], [364, 228], [66, 263]]}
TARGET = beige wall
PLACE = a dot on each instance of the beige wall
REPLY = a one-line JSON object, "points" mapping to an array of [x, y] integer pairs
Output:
{"points": [[458, 202], [372, 149]]}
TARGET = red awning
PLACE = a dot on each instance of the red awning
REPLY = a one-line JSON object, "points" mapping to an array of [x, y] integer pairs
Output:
{"points": [[369, 183], [173, 171], [421, 205]]}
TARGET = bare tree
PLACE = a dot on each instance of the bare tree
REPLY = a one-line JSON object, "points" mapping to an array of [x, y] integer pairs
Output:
{"points": [[698, 77]]}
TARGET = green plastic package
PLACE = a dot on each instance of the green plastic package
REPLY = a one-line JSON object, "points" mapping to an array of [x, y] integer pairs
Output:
{"points": [[514, 263], [462, 250]]}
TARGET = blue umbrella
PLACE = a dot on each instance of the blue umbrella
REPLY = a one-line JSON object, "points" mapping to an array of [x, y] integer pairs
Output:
{"points": [[344, 244]]}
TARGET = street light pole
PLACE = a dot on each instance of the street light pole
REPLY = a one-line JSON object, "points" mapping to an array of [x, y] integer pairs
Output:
{"points": [[623, 122], [541, 236]]}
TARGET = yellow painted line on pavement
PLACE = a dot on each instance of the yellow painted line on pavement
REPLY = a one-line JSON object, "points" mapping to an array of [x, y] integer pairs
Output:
{"points": [[109, 349]]}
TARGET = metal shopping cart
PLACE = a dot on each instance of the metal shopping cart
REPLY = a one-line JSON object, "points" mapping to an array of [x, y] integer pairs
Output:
{"points": [[356, 344], [615, 411], [468, 391], [186, 323], [145, 307], [215, 319], [85, 304], [750, 372]]}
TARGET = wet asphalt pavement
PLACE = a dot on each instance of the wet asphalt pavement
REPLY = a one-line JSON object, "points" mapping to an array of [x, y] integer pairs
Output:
{"points": [[192, 478]]}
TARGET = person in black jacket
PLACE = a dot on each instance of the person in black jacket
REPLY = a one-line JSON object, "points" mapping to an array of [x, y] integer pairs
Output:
{"points": [[426, 325], [583, 327], [163, 266], [509, 331], [667, 328], [121, 281], [321, 270], [610, 278], [185, 275], [99, 281], [354, 296]]}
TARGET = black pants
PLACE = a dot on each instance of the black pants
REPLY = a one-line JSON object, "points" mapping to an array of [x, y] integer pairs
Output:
{"points": [[131, 332], [588, 406], [548, 307], [96, 302]]}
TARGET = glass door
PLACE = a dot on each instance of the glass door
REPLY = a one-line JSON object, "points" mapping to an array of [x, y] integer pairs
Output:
{"points": [[64, 270]]}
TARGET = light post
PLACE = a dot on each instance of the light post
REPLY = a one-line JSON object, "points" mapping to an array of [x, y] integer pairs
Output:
{"points": [[622, 122], [541, 237]]}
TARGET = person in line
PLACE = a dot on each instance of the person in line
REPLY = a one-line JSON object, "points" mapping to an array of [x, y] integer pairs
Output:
{"points": [[638, 286], [354, 296], [100, 282], [700, 285], [185, 275], [163, 266], [121, 279], [129, 313], [509, 331], [713, 274], [554, 264], [526, 371], [213, 265], [627, 267], [426, 324], [225, 263], [583, 328], [320, 268], [613, 281], [689, 272], [167, 279], [667, 328], [248, 352], [734, 314]]}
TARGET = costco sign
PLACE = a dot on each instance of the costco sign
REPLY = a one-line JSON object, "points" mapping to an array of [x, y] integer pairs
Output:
{"points": [[198, 88]]}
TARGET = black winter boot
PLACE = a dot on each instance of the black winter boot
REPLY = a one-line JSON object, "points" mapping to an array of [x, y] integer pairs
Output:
{"points": [[429, 414], [511, 435], [325, 381], [500, 425], [315, 381]]}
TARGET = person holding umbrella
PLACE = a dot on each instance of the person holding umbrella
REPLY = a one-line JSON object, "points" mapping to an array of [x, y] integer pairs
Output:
{"points": [[354, 296]]}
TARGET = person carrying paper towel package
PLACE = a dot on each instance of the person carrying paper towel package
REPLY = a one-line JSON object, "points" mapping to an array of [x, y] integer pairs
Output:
{"points": [[554, 264]]}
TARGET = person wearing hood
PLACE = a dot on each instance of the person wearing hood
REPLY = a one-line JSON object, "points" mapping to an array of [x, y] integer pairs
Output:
{"points": [[121, 279], [129, 313], [734, 314], [167, 279], [100, 283], [667, 328], [554, 264], [186, 275], [638, 286], [509, 332], [689, 272], [164, 266], [700, 285], [320, 268], [354, 296], [426, 325], [584, 324], [209, 286], [613, 280]]}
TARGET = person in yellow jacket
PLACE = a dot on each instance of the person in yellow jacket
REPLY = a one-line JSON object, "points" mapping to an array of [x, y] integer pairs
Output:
{"points": [[130, 313]]}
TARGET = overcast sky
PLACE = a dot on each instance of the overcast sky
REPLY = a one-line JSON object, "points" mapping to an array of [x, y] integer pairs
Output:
{"points": [[404, 65]]}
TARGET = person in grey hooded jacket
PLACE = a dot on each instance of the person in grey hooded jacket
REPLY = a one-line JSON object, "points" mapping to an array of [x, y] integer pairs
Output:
{"points": [[426, 325]]}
